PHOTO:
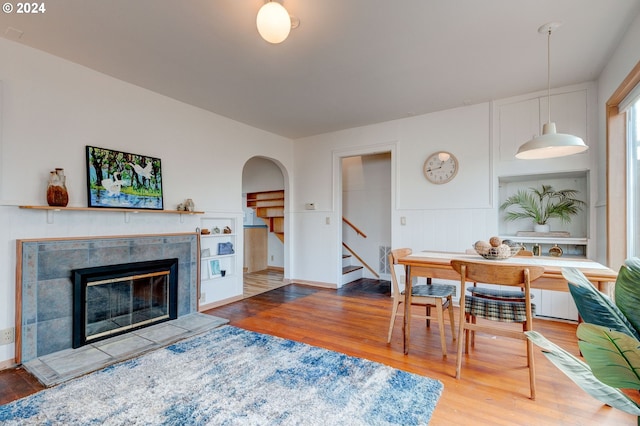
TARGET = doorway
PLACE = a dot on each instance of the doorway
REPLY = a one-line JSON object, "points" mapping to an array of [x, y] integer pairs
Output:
{"points": [[366, 211], [264, 197]]}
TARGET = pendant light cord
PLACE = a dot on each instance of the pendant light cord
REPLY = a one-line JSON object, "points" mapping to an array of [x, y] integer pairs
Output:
{"points": [[549, 75]]}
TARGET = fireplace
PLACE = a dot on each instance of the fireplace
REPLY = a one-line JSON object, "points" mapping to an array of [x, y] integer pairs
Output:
{"points": [[116, 299], [44, 281]]}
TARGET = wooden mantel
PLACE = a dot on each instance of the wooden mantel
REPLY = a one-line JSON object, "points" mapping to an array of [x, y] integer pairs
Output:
{"points": [[127, 212]]}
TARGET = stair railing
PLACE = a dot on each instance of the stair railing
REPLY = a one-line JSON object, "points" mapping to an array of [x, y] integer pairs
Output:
{"points": [[359, 232], [355, 228]]}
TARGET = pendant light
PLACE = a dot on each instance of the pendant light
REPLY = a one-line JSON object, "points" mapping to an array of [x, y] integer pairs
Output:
{"points": [[273, 22], [550, 144]]}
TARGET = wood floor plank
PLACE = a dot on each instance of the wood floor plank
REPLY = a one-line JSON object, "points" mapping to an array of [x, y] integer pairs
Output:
{"points": [[261, 281]]}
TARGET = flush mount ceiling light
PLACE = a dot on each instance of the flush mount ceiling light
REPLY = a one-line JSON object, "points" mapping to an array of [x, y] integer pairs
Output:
{"points": [[274, 23], [550, 144], [444, 156]]}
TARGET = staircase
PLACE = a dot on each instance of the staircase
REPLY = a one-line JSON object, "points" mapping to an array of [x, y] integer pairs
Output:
{"points": [[269, 206], [350, 272]]}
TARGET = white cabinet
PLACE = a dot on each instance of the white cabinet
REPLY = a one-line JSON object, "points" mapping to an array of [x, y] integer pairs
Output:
{"points": [[220, 259], [554, 304]]}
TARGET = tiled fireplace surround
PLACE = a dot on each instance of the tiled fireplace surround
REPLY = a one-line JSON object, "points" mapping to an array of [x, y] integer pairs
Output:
{"points": [[45, 288]]}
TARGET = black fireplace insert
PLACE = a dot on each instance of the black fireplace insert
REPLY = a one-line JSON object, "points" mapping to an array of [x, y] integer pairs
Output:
{"points": [[116, 299]]}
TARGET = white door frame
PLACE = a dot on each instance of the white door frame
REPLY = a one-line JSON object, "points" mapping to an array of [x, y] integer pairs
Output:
{"points": [[338, 155]]}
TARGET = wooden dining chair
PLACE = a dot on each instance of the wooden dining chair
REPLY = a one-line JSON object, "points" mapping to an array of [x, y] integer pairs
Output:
{"points": [[436, 296], [496, 310], [492, 292], [497, 293]]}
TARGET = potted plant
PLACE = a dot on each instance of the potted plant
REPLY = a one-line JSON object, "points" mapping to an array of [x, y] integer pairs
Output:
{"points": [[608, 337], [543, 204]]}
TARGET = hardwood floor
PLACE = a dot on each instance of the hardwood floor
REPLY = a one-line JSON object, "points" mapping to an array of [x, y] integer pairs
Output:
{"points": [[261, 281], [354, 320], [16, 383], [493, 388]]}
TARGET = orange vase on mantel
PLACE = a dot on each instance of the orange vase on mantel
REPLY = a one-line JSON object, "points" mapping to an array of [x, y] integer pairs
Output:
{"points": [[57, 194]]}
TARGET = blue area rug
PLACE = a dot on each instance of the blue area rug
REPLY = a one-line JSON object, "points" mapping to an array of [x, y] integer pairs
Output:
{"points": [[230, 376]]}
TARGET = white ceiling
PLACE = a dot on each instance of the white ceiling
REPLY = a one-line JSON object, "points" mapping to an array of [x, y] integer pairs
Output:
{"points": [[350, 63]]}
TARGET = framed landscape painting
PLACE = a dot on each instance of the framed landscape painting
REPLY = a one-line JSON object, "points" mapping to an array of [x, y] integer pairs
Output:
{"points": [[117, 179]]}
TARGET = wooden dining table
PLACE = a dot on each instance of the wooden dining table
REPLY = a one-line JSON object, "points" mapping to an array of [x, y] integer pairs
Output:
{"points": [[431, 264]]}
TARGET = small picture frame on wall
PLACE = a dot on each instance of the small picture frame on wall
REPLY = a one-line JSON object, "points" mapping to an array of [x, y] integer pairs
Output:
{"points": [[214, 268]]}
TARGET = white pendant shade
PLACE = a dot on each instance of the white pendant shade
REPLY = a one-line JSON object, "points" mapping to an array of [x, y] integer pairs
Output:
{"points": [[273, 22], [551, 144]]}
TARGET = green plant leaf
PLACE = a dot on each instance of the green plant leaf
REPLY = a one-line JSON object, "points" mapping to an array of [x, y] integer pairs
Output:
{"points": [[595, 307], [542, 204], [582, 375], [614, 357], [529, 208], [627, 291]]}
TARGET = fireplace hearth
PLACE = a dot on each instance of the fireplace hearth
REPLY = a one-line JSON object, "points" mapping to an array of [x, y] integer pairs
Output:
{"points": [[116, 299], [44, 296]]}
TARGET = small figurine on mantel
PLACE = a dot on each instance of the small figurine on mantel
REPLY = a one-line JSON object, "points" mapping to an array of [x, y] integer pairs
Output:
{"points": [[187, 206]]}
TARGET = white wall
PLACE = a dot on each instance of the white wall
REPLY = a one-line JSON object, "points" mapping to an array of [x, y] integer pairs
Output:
{"points": [[438, 217], [447, 217], [619, 66], [52, 108]]}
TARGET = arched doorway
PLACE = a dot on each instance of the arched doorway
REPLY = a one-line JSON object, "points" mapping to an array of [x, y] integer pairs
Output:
{"points": [[264, 196]]}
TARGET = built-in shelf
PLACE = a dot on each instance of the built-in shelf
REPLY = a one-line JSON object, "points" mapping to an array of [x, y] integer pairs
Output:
{"points": [[219, 256], [571, 246], [547, 240], [571, 237], [220, 274], [51, 209]]}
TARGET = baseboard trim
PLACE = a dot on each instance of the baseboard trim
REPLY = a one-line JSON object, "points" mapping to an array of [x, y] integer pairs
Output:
{"points": [[219, 303], [275, 268], [315, 284], [7, 364]]}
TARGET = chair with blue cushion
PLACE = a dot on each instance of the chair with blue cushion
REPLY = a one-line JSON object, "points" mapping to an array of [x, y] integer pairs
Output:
{"points": [[499, 294], [437, 296], [493, 293], [506, 310]]}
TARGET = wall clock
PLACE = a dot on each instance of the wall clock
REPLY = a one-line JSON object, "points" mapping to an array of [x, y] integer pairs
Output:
{"points": [[440, 167]]}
